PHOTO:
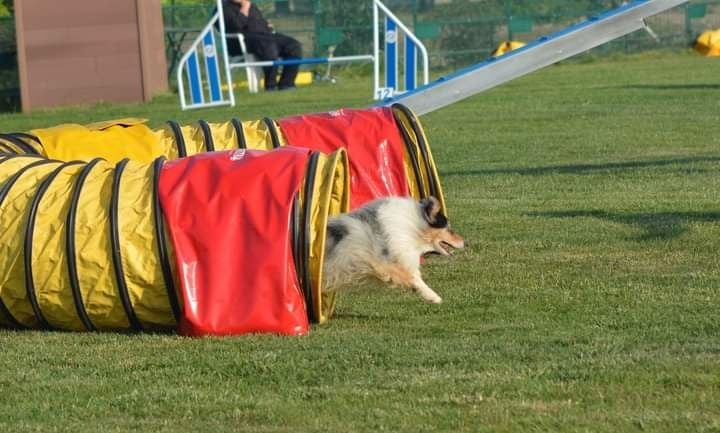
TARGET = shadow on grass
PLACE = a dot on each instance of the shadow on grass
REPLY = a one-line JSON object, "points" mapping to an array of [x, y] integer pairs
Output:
{"points": [[657, 226], [672, 86], [583, 168], [350, 315]]}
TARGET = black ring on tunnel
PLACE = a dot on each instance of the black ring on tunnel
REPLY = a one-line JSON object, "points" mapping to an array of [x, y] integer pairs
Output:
{"points": [[8, 149], [237, 124], [161, 241], [422, 144], [29, 234], [273, 132], [19, 143], [295, 239], [12, 138], [307, 220], [4, 189], [413, 156], [179, 139], [70, 245], [26, 135], [207, 135], [116, 248]]}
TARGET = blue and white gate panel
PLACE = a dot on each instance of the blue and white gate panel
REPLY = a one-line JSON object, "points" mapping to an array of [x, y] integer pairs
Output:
{"points": [[410, 63], [390, 53], [193, 70], [211, 66]]}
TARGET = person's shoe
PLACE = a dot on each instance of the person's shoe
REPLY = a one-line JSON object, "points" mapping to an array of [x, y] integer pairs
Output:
{"points": [[288, 87]]}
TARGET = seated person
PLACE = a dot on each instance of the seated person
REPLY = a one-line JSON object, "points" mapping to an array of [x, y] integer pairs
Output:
{"points": [[241, 16]]}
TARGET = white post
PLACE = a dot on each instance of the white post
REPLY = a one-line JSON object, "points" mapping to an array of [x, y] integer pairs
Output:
{"points": [[376, 48], [226, 56]]}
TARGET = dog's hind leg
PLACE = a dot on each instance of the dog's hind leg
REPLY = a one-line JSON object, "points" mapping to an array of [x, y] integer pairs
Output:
{"points": [[391, 273], [401, 277]]}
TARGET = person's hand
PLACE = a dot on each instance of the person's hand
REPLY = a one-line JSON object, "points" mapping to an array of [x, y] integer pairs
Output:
{"points": [[244, 6]]}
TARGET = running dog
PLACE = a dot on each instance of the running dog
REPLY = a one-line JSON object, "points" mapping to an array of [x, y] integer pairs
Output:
{"points": [[386, 239]]}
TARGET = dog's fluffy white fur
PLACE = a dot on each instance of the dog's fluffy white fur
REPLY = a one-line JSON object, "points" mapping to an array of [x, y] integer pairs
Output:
{"points": [[386, 239]]}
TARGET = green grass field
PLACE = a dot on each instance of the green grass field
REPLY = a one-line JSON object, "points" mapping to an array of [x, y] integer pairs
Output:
{"points": [[588, 299]]}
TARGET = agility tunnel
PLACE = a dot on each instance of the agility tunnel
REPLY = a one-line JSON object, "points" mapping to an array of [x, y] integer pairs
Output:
{"points": [[387, 148], [161, 245], [115, 226]]}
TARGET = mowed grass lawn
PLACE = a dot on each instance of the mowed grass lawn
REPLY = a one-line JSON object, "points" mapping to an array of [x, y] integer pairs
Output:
{"points": [[588, 298]]}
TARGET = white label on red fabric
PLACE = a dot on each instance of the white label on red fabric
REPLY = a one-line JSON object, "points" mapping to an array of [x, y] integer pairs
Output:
{"points": [[385, 172], [237, 155], [190, 277]]}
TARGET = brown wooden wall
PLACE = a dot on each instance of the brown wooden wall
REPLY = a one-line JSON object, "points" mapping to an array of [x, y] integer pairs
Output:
{"points": [[87, 51]]}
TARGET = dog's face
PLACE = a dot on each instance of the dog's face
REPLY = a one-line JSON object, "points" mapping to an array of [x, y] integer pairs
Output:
{"points": [[438, 234]]}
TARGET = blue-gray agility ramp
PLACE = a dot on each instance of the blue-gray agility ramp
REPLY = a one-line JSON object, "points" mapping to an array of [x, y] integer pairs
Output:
{"points": [[537, 54]]}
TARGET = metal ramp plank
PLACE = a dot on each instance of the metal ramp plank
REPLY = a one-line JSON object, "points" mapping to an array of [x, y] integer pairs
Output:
{"points": [[537, 54]]}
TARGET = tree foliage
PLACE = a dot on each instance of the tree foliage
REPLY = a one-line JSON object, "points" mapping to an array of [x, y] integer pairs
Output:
{"points": [[353, 17], [6, 8]]}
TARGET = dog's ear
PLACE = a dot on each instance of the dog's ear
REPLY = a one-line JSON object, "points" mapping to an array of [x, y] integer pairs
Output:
{"points": [[431, 211]]}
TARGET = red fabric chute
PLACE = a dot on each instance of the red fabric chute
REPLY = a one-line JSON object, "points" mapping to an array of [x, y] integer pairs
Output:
{"points": [[229, 217], [373, 142]]}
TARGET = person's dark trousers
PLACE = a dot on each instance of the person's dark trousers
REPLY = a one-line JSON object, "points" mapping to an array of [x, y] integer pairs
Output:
{"points": [[271, 46]]}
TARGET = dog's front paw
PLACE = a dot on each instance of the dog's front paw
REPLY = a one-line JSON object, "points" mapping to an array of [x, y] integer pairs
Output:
{"points": [[425, 292], [430, 297], [434, 300]]}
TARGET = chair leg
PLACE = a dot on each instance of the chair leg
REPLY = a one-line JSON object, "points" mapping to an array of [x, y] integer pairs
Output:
{"points": [[252, 79], [250, 72], [328, 74]]}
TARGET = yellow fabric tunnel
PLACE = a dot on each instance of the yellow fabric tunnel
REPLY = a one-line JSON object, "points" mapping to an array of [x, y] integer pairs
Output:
{"points": [[708, 43], [84, 245], [352, 129]]}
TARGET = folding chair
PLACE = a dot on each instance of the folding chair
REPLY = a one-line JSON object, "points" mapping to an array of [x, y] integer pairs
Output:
{"points": [[253, 73]]}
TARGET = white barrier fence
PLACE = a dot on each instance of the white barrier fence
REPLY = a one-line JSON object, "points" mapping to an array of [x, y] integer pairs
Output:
{"points": [[204, 72]]}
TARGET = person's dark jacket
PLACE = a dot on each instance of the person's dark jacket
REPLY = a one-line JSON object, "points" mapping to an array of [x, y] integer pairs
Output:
{"points": [[236, 22]]}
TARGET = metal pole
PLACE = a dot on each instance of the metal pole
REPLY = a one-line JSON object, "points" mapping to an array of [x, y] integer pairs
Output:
{"points": [[317, 12], [688, 24], [223, 44], [508, 18], [414, 14], [376, 50]]}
